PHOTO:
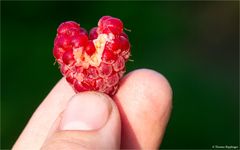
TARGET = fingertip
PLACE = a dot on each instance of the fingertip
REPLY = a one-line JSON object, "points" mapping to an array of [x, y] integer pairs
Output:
{"points": [[86, 111], [144, 100]]}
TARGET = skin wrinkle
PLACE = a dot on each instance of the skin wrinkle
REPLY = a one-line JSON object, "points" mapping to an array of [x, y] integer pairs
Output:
{"points": [[60, 143], [71, 137]]}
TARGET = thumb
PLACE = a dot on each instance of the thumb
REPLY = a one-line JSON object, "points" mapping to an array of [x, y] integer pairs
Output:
{"points": [[90, 120]]}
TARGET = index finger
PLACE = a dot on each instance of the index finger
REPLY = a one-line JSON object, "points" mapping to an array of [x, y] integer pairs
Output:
{"points": [[41, 121]]}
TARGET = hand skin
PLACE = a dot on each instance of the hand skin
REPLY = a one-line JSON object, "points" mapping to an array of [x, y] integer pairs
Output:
{"points": [[136, 117]]}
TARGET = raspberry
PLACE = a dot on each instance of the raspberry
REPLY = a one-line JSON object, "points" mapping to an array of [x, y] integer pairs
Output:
{"points": [[95, 61]]}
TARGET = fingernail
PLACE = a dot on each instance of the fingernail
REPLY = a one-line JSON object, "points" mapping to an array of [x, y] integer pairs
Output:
{"points": [[86, 111]]}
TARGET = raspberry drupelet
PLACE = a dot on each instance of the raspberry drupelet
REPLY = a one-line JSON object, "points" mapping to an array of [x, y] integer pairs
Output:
{"points": [[94, 62]]}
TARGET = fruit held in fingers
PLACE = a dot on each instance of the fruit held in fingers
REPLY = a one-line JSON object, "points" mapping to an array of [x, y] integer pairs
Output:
{"points": [[94, 62]]}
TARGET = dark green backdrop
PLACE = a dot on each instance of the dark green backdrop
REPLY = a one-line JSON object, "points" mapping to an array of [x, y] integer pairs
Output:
{"points": [[194, 44]]}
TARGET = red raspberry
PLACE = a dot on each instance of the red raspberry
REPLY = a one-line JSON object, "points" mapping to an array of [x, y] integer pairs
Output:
{"points": [[95, 62]]}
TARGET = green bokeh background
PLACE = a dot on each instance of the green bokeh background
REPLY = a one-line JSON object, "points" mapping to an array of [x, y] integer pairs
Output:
{"points": [[194, 44]]}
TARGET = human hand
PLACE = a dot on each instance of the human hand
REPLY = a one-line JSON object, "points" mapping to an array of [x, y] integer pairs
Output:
{"points": [[136, 117]]}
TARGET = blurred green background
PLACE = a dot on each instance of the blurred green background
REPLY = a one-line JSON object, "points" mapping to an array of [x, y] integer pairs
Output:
{"points": [[194, 44]]}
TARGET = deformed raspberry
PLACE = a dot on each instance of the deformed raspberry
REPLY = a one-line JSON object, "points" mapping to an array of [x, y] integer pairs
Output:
{"points": [[95, 61]]}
